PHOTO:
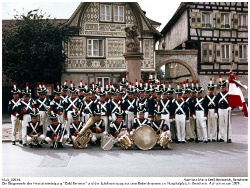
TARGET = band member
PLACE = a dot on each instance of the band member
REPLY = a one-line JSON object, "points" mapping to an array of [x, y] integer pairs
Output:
{"points": [[223, 110], [56, 133], [88, 106], [72, 102], [130, 108], [42, 105], [57, 103], [209, 106], [114, 105], [201, 117], [35, 135], [98, 127], [192, 123], [64, 97], [181, 113], [140, 121], [165, 106], [118, 128], [75, 126], [13, 110], [104, 107], [24, 109], [81, 89], [159, 125]]}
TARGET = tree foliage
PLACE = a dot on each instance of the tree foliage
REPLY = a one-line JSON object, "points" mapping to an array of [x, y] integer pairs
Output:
{"points": [[33, 49]]}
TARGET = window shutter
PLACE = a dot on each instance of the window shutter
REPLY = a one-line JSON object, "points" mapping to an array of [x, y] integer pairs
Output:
{"points": [[204, 53], [193, 19], [218, 20], [236, 21], [236, 53], [210, 53], [198, 19], [218, 54]]}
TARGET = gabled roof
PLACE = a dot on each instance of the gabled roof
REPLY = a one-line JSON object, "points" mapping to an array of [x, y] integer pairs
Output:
{"points": [[138, 12]]}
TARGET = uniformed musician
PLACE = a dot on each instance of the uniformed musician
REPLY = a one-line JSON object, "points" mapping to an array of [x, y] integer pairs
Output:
{"points": [[35, 134], [56, 135], [25, 108], [13, 110], [209, 104], [56, 105], [222, 110]]}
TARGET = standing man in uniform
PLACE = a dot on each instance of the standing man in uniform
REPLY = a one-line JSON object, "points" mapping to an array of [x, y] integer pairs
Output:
{"points": [[13, 110], [56, 105], [209, 106], [224, 111], [26, 107], [42, 105]]}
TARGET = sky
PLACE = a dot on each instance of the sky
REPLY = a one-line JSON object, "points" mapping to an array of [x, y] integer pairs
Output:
{"points": [[158, 10]]}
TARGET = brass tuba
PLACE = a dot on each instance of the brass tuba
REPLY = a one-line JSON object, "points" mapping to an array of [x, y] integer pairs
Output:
{"points": [[81, 141]]}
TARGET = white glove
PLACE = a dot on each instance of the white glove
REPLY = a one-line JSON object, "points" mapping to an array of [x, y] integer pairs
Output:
{"points": [[131, 133], [105, 133], [110, 118], [126, 112], [216, 115], [229, 108], [204, 118], [170, 120], [194, 116], [187, 121], [83, 114]]}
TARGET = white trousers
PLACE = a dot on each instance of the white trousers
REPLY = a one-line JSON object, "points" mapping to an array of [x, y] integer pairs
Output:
{"points": [[26, 119], [32, 140], [44, 120], [50, 142], [201, 125], [166, 118], [16, 127], [223, 124], [180, 120], [145, 115], [96, 136], [211, 124], [105, 120], [70, 120], [129, 118], [192, 127]]}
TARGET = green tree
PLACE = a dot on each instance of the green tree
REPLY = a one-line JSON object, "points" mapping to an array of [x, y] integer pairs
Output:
{"points": [[33, 49]]}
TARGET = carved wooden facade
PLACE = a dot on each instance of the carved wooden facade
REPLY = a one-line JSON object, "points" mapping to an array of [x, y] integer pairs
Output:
{"points": [[97, 50], [218, 30]]}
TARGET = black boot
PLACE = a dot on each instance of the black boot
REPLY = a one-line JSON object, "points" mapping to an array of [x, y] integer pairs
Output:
{"points": [[13, 143], [229, 141], [31, 145], [21, 142]]}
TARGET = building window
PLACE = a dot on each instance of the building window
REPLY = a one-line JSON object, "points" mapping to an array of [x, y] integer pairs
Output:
{"points": [[105, 13], [243, 21], [225, 20], [225, 52], [206, 22], [118, 13], [102, 80], [95, 48], [243, 52]]}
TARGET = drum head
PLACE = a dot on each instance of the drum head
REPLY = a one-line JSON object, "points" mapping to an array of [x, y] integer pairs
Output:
{"points": [[145, 137], [107, 143]]}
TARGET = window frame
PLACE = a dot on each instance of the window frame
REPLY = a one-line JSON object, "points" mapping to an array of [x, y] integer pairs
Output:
{"points": [[222, 23], [210, 20], [111, 13], [119, 21], [240, 21], [223, 59], [102, 80], [92, 50], [240, 53]]}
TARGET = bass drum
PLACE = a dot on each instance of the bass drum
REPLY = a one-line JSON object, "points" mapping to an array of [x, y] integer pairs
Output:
{"points": [[107, 142], [145, 137]]}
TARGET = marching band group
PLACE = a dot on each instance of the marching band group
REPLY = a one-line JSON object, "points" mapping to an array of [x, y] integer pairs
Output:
{"points": [[119, 112]]}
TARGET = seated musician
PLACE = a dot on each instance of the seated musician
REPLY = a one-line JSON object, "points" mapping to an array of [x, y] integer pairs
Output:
{"points": [[118, 128], [56, 134], [34, 131], [98, 127], [140, 121], [75, 126], [159, 124]]}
